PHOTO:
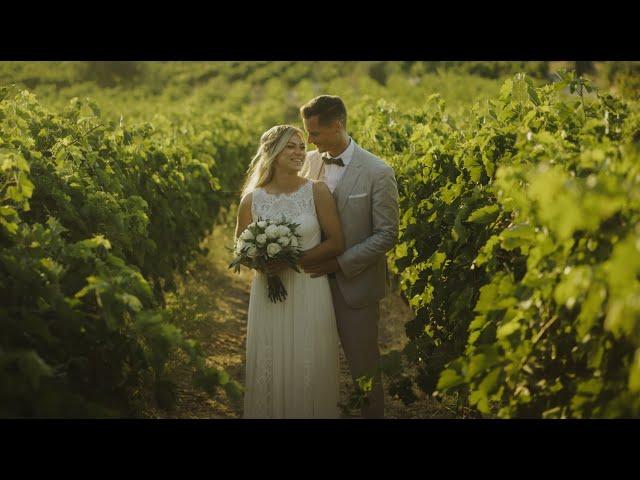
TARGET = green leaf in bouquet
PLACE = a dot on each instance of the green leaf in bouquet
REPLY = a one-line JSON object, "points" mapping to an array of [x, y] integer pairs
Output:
{"points": [[235, 263], [293, 264]]}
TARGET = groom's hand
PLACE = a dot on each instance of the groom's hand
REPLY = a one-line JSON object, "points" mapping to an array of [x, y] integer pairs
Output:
{"points": [[322, 268]]}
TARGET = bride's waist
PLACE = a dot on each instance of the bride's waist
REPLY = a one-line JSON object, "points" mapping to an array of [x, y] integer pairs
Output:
{"points": [[287, 273]]}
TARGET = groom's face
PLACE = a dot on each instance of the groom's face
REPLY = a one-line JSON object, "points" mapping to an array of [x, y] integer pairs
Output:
{"points": [[324, 137]]}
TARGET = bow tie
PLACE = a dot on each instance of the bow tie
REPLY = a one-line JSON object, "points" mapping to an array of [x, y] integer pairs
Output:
{"points": [[333, 161]]}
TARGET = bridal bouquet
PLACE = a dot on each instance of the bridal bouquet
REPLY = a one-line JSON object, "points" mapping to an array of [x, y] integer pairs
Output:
{"points": [[264, 241]]}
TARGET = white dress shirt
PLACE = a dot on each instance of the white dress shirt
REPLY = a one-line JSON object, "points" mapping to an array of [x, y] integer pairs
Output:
{"points": [[333, 173]]}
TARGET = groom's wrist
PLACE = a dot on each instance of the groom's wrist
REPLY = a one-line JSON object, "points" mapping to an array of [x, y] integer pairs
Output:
{"points": [[340, 261], [337, 264]]}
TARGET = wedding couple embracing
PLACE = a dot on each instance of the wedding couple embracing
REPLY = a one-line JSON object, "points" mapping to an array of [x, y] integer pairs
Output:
{"points": [[344, 201]]}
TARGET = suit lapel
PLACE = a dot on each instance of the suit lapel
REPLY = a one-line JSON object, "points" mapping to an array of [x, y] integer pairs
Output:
{"points": [[319, 172], [348, 179]]}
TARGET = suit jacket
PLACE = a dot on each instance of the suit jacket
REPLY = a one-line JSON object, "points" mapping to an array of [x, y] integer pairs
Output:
{"points": [[367, 199]]}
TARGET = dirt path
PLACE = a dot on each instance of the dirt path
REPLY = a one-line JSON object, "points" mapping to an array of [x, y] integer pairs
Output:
{"points": [[211, 306]]}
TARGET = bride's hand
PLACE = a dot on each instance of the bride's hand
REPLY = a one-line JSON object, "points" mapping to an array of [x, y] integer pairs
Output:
{"points": [[274, 267], [302, 260]]}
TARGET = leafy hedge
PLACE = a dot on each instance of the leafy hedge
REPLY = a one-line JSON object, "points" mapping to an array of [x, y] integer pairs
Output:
{"points": [[96, 218], [520, 249]]}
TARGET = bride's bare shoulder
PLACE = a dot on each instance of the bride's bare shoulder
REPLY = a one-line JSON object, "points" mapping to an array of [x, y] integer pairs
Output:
{"points": [[245, 201], [320, 187]]}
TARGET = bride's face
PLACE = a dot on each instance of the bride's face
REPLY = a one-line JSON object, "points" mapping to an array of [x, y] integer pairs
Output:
{"points": [[292, 156]]}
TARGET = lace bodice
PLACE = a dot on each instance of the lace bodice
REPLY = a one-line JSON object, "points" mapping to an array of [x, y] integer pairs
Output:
{"points": [[297, 207]]}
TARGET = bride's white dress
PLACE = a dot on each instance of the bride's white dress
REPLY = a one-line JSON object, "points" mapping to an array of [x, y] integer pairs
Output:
{"points": [[292, 358]]}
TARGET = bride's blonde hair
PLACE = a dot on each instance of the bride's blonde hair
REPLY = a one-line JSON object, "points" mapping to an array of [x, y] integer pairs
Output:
{"points": [[272, 142]]}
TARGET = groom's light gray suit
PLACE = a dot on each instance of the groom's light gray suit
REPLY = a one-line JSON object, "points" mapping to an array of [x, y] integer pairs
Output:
{"points": [[367, 199]]}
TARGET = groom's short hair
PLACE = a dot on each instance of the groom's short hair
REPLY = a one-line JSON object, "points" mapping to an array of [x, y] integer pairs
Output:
{"points": [[327, 107]]}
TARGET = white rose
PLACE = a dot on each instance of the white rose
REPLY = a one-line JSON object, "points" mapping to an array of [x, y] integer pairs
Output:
{"points": [[284, 241], [273, 249], [262, 238], [252, 252], [272, 231], [239, 245], [283, 230], [262, 224], [251, 225], [294, 241], [246, 235]]}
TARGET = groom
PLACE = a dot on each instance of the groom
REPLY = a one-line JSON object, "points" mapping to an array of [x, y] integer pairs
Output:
{"points": [[366, 194]]}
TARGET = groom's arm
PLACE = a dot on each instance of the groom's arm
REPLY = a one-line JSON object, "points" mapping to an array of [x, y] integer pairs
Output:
{"points": [[385, 214]]}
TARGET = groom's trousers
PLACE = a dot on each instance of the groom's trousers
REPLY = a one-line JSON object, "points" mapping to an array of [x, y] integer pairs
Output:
{"points": [[358, 330]]}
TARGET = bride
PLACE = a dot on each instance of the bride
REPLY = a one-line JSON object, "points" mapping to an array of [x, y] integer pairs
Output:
{"points": [[292, 359]]}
